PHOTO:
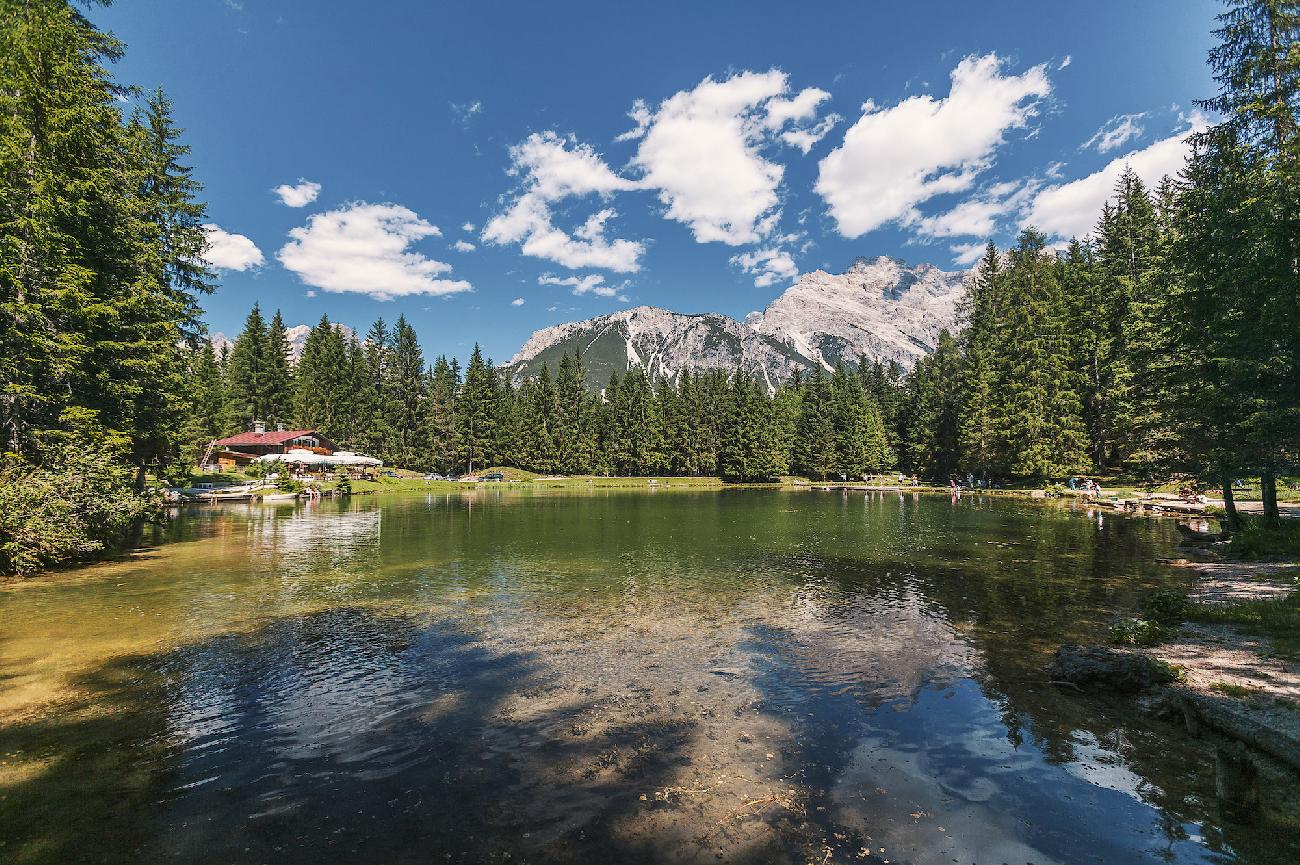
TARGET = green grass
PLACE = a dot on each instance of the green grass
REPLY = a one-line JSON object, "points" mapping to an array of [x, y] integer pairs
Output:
{"points": [[1257, 541], [1277, 618], [1241, 692]]}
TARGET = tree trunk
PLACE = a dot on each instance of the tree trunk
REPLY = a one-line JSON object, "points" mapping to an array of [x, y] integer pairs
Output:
{"points": [[1230, 504], [1268, 492]]}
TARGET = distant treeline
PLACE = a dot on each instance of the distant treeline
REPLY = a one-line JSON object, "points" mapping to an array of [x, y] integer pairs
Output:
{"points": [[378, 396]]}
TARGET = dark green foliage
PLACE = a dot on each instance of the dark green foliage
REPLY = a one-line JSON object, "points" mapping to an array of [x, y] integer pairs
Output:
{"points": [[277, 396], [80, 501], [1166, 607], [477, 414], [749, 448], [101, 244]]}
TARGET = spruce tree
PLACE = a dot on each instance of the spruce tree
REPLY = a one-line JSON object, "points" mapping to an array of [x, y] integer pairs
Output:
{"points": [[443, 384], [814, 448], [248, 373], [406, 408], [277, 373], [979, 375], [1040, 421], [476, 415], [1237, 245]]}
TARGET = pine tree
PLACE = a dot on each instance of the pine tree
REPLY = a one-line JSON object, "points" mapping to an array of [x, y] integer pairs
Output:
{"points": [[748, 448], [1126, 246], [1237, 248], [814, 448], [638, 434], [278, 375], [476, 414], [406, 408], [934, 405], [1040, 419], [575, 433], [374, 395], [539, 407], [443, 384], [324, 387], [979, 375], [248, 373]]}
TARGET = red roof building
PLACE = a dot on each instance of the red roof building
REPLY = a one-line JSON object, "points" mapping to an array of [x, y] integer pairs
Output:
{"points": [[262, 441]]}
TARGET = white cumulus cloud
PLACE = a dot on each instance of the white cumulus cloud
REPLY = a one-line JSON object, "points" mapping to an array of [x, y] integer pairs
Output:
{"points": [[701, 151], [768, 266], [893, 159], [518, 301], [966, 254], [467, 227], [552, 169], [1070, 209], [592, 283], [365, 248], [228, 251], [299, 194], [463, 246], [1116, 132], [979, 214]]}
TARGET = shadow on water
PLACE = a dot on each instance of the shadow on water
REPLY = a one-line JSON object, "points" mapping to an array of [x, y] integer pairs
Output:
{"points": [[345, 736]]}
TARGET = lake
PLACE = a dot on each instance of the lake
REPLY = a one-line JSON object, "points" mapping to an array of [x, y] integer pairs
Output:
{"points": [[513, 675]]}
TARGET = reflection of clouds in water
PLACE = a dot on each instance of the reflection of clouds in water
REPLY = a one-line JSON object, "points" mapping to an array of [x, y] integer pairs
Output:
{"points": [[908, 802], [943, 782], [1105, 766], [875, 646]]}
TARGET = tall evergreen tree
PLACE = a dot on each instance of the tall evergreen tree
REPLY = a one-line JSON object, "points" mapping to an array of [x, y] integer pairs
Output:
{"points": [[976, 434], [248, 374], [443, 384], [814, 451], [1238, 244], [407, 412], [1040, 417], [476, 414], [277, 374]]}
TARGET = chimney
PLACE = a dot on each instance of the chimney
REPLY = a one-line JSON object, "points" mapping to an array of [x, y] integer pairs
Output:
{"points": [[259, 427]]}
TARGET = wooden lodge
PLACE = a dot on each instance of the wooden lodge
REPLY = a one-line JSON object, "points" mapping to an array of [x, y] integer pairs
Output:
{"points": [[237, 451]]}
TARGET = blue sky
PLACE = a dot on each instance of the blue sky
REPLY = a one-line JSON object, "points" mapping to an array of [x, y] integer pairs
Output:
{"points": [[600, 155]]}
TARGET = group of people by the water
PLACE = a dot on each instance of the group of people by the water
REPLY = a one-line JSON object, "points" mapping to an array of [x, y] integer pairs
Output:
{"points": [[955, 484], [1088, 486]]}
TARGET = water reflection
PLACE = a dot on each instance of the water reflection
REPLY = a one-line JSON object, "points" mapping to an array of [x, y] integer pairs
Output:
{"points": [[739, 676]]}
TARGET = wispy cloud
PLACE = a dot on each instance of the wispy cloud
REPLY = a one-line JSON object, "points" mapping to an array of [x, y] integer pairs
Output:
{"points": [[1116, 132], [592, 283], [465, 112]]}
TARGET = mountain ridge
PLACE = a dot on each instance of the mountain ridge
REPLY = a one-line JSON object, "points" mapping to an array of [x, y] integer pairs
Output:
{"points": [[879, 307]]}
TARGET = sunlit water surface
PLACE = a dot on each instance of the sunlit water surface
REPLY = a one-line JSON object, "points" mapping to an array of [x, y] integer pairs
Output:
{"points": [[493, 676]]}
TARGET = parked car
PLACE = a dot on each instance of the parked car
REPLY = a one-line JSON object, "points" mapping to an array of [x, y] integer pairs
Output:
{"points": [[494, 476]]}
